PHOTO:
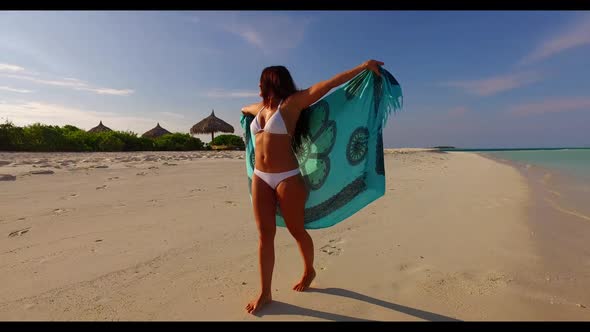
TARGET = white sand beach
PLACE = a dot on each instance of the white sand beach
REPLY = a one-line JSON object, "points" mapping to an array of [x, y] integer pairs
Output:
{"points": [[171, 236]]}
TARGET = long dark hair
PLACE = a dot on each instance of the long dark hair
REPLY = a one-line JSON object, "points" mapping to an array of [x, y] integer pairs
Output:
{"points": [[276, 81]]}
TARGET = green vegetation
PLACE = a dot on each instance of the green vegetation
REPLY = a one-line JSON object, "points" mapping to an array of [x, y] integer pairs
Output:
{"points": [[229, 141], [44, 138]]}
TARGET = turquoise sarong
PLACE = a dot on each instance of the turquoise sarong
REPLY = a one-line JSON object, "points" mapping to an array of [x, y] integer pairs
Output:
{"points": [[342, 159]]}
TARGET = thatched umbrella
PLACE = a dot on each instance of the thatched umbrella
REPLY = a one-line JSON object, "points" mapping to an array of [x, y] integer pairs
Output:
{"points": [[212, 124], [99, 128], [157, 131]]}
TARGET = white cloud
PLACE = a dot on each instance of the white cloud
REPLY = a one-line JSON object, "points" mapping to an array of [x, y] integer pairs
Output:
{"points": [[68, 83], [268, 32], [10, 68], [552, 106], [249, 34], [231, 94], [576, 34], [108, 91], [496, 84], [17, 72], [73, 84], [25, 113], [9, 89]]}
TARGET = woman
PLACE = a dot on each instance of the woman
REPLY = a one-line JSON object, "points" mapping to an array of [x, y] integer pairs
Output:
{"points": [[277, 179]]}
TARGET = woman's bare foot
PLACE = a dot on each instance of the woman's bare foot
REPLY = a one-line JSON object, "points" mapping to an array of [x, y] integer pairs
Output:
{"points": [[258, 303], [305, 281]]}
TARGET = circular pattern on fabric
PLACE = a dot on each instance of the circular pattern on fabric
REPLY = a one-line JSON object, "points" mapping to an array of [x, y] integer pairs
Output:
{"points": [[357, 147], [303, 154]]}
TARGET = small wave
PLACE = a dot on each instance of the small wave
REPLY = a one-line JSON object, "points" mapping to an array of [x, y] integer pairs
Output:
{"points": [[573, 213]]}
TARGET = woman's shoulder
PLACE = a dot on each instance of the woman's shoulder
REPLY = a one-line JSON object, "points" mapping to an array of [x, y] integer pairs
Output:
{"points": [[291, 102]]}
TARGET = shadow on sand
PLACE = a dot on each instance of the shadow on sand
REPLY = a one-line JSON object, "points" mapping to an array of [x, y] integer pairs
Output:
{"points": [[282, 308]]}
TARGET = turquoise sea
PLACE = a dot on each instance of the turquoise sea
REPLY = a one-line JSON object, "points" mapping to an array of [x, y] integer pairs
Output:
{"points": [[570, 161], [560, 177]]}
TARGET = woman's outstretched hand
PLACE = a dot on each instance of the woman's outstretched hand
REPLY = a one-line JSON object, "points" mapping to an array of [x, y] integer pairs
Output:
{"points": [[373, 65], [304, 98]]}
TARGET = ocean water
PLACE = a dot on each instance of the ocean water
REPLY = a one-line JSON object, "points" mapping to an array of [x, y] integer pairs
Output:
{"points": [[560, 178], [568, 161], [558, 212], [573, 162]]}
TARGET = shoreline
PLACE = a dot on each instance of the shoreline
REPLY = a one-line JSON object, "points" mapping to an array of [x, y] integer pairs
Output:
{"points": [[560, 232]]}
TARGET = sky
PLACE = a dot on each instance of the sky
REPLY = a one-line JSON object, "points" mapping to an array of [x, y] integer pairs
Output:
{"points": [[470, 79]]}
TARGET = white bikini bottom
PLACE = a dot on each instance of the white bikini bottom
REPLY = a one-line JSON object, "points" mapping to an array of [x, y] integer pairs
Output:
{"points": [[273, 179]]}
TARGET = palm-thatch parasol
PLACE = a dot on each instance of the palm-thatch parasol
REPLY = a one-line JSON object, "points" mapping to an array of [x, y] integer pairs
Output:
{"points": [[212, 124], [157, 131], [99, 128]]}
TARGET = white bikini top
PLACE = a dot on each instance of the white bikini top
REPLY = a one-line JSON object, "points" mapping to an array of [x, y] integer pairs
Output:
{"points": [[274, 125]]}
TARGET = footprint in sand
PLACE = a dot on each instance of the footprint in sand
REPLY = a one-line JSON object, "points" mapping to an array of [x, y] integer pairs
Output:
{"points": [[70, 196], [104, 186], [19, 232], [141, 174], [113, 178], [47, 171], [7, 177], [231, 202], [29, 306], [170, 164], [444, 284], [331, 250], [336, 241], [153, 167], [412, 268], [60, 211]]}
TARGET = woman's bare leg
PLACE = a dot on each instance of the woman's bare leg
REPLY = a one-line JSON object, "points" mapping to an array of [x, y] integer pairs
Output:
{"points": [[264, 201], [291, 195]]}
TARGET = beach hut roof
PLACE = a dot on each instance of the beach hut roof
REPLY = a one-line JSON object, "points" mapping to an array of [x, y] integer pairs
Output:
{"points": [[99, 128], [157, 131], [211, 124]]}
